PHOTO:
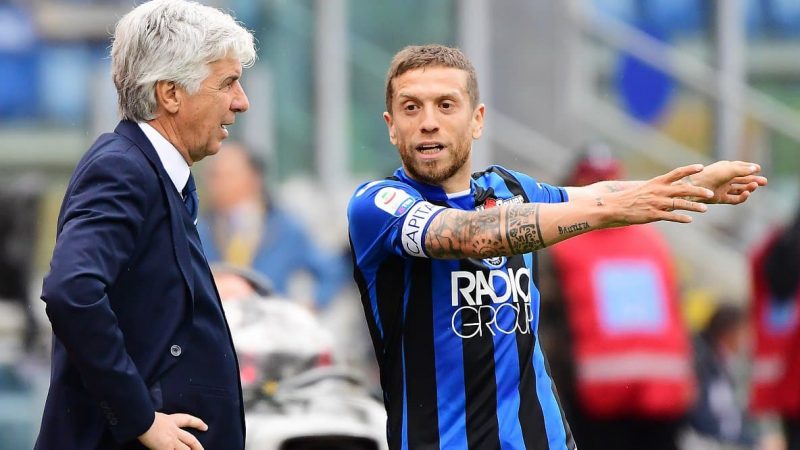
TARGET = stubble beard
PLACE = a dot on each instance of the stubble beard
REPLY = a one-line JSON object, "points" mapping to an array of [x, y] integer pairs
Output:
{"points": [[432, 172]]}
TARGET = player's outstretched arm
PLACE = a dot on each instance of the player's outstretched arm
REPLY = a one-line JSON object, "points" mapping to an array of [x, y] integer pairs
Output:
{"points": [[731, 181], [515, 229]]}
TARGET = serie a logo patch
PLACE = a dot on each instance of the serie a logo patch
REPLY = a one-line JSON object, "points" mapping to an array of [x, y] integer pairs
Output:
{"points": [[394, 201]]}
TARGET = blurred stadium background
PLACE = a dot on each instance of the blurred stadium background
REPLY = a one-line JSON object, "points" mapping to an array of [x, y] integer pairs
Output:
{"points": [[664, 83]]}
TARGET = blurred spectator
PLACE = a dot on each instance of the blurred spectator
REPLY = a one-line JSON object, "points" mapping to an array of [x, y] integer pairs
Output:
{"points": [[237, 283], [718, 416], [775, 267], [611, 326], [244, 228], [275, 339], [19, 201], [297, 394]]}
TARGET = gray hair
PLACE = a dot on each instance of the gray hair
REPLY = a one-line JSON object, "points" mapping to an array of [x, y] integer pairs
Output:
{"points": [[171, 40]]}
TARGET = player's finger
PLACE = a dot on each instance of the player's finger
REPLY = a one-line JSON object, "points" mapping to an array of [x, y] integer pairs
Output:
{"points": [[669, 211], [181, 446], [188, 421], [189, 440], [739, 188], [735, 199], [736, 190], [687, 205], [685, 190], [679, 173], [758, 179], [741, 168], [670, 216], [751, 186]]}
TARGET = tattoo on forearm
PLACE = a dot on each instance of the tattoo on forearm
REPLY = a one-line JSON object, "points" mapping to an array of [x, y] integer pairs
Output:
{"points": [[442, 239], [574, 228], [539, 229], [485, 233], [460, 234], [524, 234], [497, 231]]}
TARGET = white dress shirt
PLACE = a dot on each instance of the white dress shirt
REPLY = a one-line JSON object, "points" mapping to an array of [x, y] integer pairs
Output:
{"points": [[171, 158]]}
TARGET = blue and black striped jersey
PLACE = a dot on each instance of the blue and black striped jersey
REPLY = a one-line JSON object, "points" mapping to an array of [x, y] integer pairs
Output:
{"points": [[456, 340]]}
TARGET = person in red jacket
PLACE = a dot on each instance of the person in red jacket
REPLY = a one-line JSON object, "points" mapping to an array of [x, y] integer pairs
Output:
{"points": [[775, 386], [624, 369]]}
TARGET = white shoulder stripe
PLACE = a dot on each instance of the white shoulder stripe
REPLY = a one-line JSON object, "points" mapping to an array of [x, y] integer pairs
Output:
{"points": [[367, 186]]}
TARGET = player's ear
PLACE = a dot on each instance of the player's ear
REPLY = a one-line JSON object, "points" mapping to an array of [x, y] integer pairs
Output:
{"points": [[477, 121], [390, 126]]}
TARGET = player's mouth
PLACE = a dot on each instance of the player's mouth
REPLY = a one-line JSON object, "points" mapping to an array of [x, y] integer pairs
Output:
{"points": [[429, 149], [224, 128]]}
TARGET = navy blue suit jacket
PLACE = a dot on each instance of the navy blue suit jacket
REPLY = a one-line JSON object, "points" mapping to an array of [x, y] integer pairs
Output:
{"points": [[137, 322]]}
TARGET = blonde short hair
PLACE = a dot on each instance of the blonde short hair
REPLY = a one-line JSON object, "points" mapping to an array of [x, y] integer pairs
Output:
{"points": [[431, 55]]}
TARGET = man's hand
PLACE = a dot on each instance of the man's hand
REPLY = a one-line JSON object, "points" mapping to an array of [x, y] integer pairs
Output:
{"points": [[731, 181], [660, 198], [166, 433]]}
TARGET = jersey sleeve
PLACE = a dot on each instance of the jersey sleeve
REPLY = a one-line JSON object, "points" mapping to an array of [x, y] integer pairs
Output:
{"points": [[541, 192], [389, 217]]}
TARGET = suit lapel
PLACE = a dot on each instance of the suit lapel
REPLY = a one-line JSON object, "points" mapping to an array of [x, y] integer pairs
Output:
{"points": [[180, 242]]}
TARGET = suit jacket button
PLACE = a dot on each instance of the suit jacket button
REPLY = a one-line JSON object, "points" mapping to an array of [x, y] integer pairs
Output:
{"points": [[175, 350]]}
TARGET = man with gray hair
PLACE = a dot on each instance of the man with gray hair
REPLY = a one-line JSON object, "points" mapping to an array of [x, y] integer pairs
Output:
{"points": [[142, 354]]}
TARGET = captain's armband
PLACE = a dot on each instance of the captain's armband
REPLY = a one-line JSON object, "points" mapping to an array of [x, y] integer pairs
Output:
{"points": [[415, 225]]}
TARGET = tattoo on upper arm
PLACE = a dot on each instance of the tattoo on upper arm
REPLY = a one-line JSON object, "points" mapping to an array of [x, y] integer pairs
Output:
{"points": [[524, 234]]}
